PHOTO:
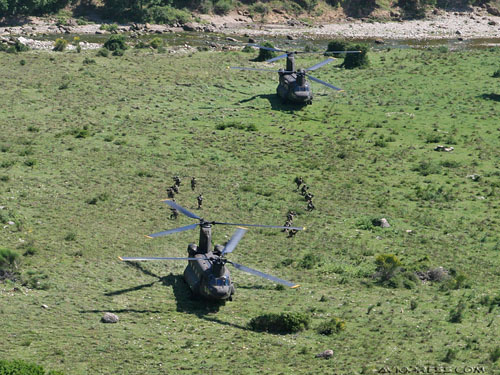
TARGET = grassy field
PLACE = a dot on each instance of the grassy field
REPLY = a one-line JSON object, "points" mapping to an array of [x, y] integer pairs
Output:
{"points": [[89, 148]]}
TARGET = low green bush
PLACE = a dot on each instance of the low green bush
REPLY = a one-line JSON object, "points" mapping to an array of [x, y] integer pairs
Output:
{"points": [[496, 74], [457, 314], [8, 259], [264, 54], [17, 367], [222, 7], [356, 60], [156, 43], [387, 266], [334, 325], [280, 323], [60, 45], [116, 42], [495, 354], [167, 15]]}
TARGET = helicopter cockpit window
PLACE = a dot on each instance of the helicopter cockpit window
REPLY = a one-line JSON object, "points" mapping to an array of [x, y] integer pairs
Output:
{"points": [[223, 281]]}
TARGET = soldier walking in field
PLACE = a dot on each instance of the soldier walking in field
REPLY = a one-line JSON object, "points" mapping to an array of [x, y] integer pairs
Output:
{"points": [[292, 232], [308, 197], [290, 215], [299, 181], [310, 206], [193, 183], [200, 201], [304, 189], [170, 193], [174, 214], [175, 188], [177, 181]]}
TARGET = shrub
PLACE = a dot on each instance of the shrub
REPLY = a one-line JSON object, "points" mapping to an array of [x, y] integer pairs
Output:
{"points": [[450, 356], [156, 43], [426, 167], [8, 259], [264, 54], [495, 354], [496, 74], [280, 323], [113, 27], [103, 52], [434, 193], [336, 45], [309, 261], [260, 8], [60, 45], [20, 47], [71, 236], [457, 314], [222, 7], [334, 325], [356, 60], [307, 4], [17, 367], [118, 52], [167, 15], [36, 280], [387, 266], [88, 61], [116, 42]]}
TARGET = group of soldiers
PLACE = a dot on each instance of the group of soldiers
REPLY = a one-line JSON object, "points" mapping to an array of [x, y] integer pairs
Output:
{"points": [[288, 223], [308, 196], [174, 189]]}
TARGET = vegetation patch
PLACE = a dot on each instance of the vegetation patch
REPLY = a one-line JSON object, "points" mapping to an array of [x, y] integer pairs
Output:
{"points": [[17, 367], [280, 323], [330, 327]]}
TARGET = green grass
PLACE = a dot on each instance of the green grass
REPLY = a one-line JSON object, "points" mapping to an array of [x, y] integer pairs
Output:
{"points": [[124, 126]]}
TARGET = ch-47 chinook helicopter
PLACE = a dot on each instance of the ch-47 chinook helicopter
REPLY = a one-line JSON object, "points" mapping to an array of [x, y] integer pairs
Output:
{"points": [[293, 85], [206, 272]]}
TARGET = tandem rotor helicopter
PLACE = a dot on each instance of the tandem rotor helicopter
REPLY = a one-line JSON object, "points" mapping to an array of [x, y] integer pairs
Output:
{"points": [[206, 272], [293, 85]]}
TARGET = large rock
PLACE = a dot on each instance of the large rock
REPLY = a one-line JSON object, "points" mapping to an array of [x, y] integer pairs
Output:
{"points": [[110, 318], [492, 10]]}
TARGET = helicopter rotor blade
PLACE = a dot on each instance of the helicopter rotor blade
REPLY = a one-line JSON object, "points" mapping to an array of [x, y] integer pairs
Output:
{"points": [[323, 83], [141, 259], [259, 226], [264, 275], [256, 69], [181, 209], [170, 231], [319, 65], [266, 48], [233, 242], [277, 58]]}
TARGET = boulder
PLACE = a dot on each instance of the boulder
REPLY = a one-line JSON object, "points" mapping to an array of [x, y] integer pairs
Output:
{"points": [[110, 318]]}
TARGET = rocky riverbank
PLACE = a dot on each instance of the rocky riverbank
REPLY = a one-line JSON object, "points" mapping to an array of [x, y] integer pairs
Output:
{"points": [[477, 23]]}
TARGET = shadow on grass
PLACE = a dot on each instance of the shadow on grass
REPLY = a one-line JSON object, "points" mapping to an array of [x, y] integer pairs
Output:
{"points": [[186, 302], [276, 103], [494, 97]]}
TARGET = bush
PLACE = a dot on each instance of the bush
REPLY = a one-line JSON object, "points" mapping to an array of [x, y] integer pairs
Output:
{"points": [[309, 261], [336, 45], [60, 45], [112, 28], [17, 367], [264, 54], [496, 74], [356, 60], [8, 259], [103, 52], [280, 323], [167, 15], [156, 43], [222, 7], [457, 314], [116, 42], [387, 266], [495, 354], [334, 325]]}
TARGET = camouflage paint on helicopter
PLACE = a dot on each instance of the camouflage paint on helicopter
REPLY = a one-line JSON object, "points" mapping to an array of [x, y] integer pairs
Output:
{"points": [[293, 85], [206, 272]]}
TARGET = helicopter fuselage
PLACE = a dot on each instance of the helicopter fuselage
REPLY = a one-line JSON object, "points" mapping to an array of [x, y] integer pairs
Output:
{"points": [[294, 87], [208, 277]]}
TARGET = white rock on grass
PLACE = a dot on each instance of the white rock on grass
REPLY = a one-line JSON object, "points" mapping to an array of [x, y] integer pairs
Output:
{"points": [[110, 318], [327, 354]]}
